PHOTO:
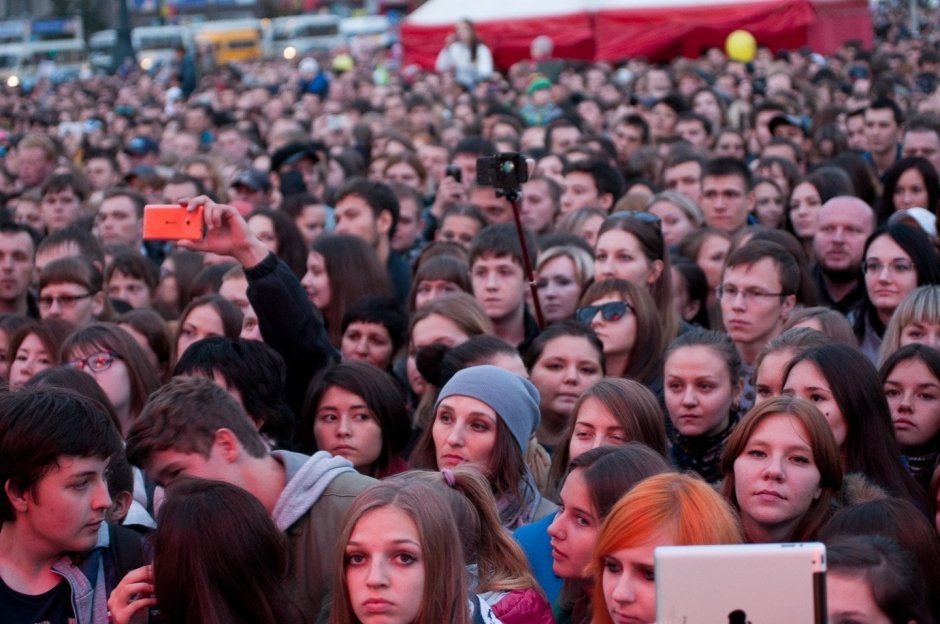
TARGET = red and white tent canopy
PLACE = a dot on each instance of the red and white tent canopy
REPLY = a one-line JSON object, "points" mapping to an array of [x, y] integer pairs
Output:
{"points": [[612, 30]]}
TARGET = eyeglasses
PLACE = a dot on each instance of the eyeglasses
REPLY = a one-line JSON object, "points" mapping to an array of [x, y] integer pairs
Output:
{"points": [[639, 215], [64, 301], [749, 294], [897, 267], [613, 311], [96, 362]]}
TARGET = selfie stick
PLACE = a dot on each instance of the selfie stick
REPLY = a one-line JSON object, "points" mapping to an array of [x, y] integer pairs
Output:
{"points": [[512, 194]]}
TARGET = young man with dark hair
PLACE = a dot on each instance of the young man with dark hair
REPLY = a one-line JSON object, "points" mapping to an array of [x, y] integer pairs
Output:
{"points": [[17, 260], [757, 293], [495, 207], [72, 241], [369, 210], [465, 156], [922, 138], [63, 196], [58, 556], [727, 197], [590, 183], [630, 133], [497, 273], [663, 116], [132, 278], [102, 170], [683, 172], [760, 134], [561, 134], [252, 373], [884, 122], [182, 185], [855, 130], [785, 148], [120, 218], [695, 129], [193, 428]]}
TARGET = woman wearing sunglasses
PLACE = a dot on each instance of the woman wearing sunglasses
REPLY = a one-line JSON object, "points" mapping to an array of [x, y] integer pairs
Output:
{"points": [[630, 247], [117, 363], [625, 318]]}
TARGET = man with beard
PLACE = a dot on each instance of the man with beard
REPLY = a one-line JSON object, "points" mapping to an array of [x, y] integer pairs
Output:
{"points": [[845, 223]]}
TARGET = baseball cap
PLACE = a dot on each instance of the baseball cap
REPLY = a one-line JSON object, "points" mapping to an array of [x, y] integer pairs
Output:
{"points": [[294, 152], [789, 120], [252, 178]]}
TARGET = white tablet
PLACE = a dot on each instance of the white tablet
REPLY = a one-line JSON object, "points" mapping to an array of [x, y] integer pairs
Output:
{"points": [[741, 584]]}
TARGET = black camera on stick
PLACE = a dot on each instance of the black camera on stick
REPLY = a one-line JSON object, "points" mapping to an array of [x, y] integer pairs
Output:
{"points": [[505, 172]]}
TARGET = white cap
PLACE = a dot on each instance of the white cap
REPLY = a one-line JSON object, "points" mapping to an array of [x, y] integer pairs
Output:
{"points": [[923, 218]]}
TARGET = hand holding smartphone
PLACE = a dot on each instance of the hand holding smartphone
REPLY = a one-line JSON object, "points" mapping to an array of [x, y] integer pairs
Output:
{"points": [[454, 172], [173, 222]]}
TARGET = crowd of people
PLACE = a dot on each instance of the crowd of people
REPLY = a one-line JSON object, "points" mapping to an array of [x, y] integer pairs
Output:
{"points": [[344, 403]]}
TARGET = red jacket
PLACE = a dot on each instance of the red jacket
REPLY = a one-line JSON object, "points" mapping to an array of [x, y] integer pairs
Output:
{"points": [[524, 606]]}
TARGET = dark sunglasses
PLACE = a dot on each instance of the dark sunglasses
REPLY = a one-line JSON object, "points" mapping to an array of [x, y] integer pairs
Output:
{"points": [[613, 311]]}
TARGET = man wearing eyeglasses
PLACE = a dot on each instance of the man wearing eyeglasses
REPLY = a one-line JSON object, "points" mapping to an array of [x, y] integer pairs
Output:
{"points": [[757, 294]]}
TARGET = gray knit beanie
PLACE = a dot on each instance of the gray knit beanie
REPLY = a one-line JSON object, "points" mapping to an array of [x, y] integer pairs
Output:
{"points": [[514, 399]]}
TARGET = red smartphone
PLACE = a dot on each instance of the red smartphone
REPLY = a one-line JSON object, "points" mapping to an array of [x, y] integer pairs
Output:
{"points": [[173, 222]]}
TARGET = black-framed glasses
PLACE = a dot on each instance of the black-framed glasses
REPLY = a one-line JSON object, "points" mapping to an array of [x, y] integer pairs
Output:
{"points": [[96, 362], [639, 215], [613, 311], [64, 301]]}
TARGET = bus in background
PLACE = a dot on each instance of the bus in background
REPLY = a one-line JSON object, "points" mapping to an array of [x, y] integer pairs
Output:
{"points": [[56, 50], [231, 40], [56, 60], [374, 30], [101, 50], [22, 64], [13, 31], [156, 46], [298, 35], [56, 29]]}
